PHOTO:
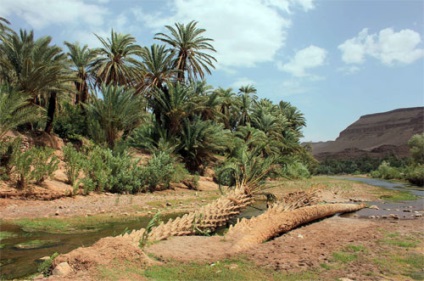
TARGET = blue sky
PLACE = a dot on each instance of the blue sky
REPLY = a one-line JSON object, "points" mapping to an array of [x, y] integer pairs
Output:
{"points": [[334, 60]]}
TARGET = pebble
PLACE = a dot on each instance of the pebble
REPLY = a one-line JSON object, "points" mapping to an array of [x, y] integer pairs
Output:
{"points": [[375, 207], [394, 216]]}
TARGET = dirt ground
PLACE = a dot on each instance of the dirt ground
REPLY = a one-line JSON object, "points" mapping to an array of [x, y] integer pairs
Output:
{"points": [[307, 248]]}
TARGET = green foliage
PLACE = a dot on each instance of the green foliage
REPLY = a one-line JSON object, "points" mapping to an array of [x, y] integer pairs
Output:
{"points": [[71, 122], [34, 164], [44, 164], [98, 170], [387, 172], [46, 266], [8, 148], [295, 170], [74, 163], [415, 174], [118, 112], [155, 221], [159, 171], [15, 110], [416, 148]]}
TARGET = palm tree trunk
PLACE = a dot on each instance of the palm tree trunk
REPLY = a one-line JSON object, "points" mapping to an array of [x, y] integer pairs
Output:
{"points": [[51, 110], [276, 221]]}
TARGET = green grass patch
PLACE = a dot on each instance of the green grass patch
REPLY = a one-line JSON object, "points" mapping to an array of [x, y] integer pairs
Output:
{"points": [[343, 257], [7, 235], [395, 239], [395, 195], [71, 225]]}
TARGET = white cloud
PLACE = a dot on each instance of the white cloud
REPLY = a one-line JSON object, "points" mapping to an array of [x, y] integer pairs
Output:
{"points": [[387, 46], [305, 59], [42, 13], [292, 87], [245, 32], [350, 69], [242, 81]]}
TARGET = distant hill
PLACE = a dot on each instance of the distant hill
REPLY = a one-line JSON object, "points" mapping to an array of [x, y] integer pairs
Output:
{"points": [[374, 135]]}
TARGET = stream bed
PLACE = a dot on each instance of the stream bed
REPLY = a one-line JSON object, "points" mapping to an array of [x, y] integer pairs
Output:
{"points": [[18, 260]]}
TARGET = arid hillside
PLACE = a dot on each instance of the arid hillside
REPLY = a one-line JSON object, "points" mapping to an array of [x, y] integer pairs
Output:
{"points": [[374, 135]]}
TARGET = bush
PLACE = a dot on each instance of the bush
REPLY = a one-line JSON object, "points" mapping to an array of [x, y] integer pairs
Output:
{"points": [[44, 164], [159, 171], [385, 171], [34, 164], [74, 163], [7, 149], [296, 170], [71, 122], [415, 174]]}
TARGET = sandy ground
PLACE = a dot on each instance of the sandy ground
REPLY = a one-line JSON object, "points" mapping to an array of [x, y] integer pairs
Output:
{"points": [[305, 248]]}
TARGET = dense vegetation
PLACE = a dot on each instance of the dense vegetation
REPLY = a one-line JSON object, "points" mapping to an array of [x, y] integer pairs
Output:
{"points": [[108, 100], [390, 167]]}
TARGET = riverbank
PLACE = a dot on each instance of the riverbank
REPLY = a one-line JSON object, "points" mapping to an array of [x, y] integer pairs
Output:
{"points": [[334, 248]]}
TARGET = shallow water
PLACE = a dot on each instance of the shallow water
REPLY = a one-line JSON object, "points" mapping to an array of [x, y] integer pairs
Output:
{"points": [[17, 263]]}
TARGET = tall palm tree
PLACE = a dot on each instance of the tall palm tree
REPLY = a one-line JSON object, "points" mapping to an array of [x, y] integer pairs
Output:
{"points": [[81, 58], [156, 69], [190, 50], [117, 61], [247, 97], [118, 112]]}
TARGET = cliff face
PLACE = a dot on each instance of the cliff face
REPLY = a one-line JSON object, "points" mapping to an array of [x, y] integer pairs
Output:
{"points": [[374, 135]]}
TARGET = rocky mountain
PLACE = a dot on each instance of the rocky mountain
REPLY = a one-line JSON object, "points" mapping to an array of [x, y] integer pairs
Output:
{"points": [[374, 135]]}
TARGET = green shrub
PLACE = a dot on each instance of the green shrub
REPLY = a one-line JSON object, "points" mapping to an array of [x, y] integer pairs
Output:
{"points": [[44, 164], [415, 174], [74, 163], [71, 122], [159, 171], [296, 170], [126, 174], [34, 164], [385, 171], [98, 169], [8, 148]]}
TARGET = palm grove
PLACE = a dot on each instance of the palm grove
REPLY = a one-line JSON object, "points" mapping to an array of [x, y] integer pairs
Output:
{"points": [[107, 101]]}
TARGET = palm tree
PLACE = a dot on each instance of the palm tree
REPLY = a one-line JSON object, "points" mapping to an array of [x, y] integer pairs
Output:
{"points": [[15, 110], [172, 106], [228, 104], [35, 68], [199, 141], [189, 49], [4, 25], [247, 97], [117, 60], [156, 69], [118, 112], [81, 58]]}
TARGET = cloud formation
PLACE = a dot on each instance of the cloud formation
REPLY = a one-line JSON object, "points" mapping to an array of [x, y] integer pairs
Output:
{"points": [[245, 32], [303, 60], [42, 13], [388, 46]]}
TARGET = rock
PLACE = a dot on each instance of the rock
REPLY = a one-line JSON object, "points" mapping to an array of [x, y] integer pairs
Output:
{"points": [[418, 215], [168, 204], [57, 213], [372, 217], [62, 269], [375, 207], [393, 216], [345, 279], [407, 210]]}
